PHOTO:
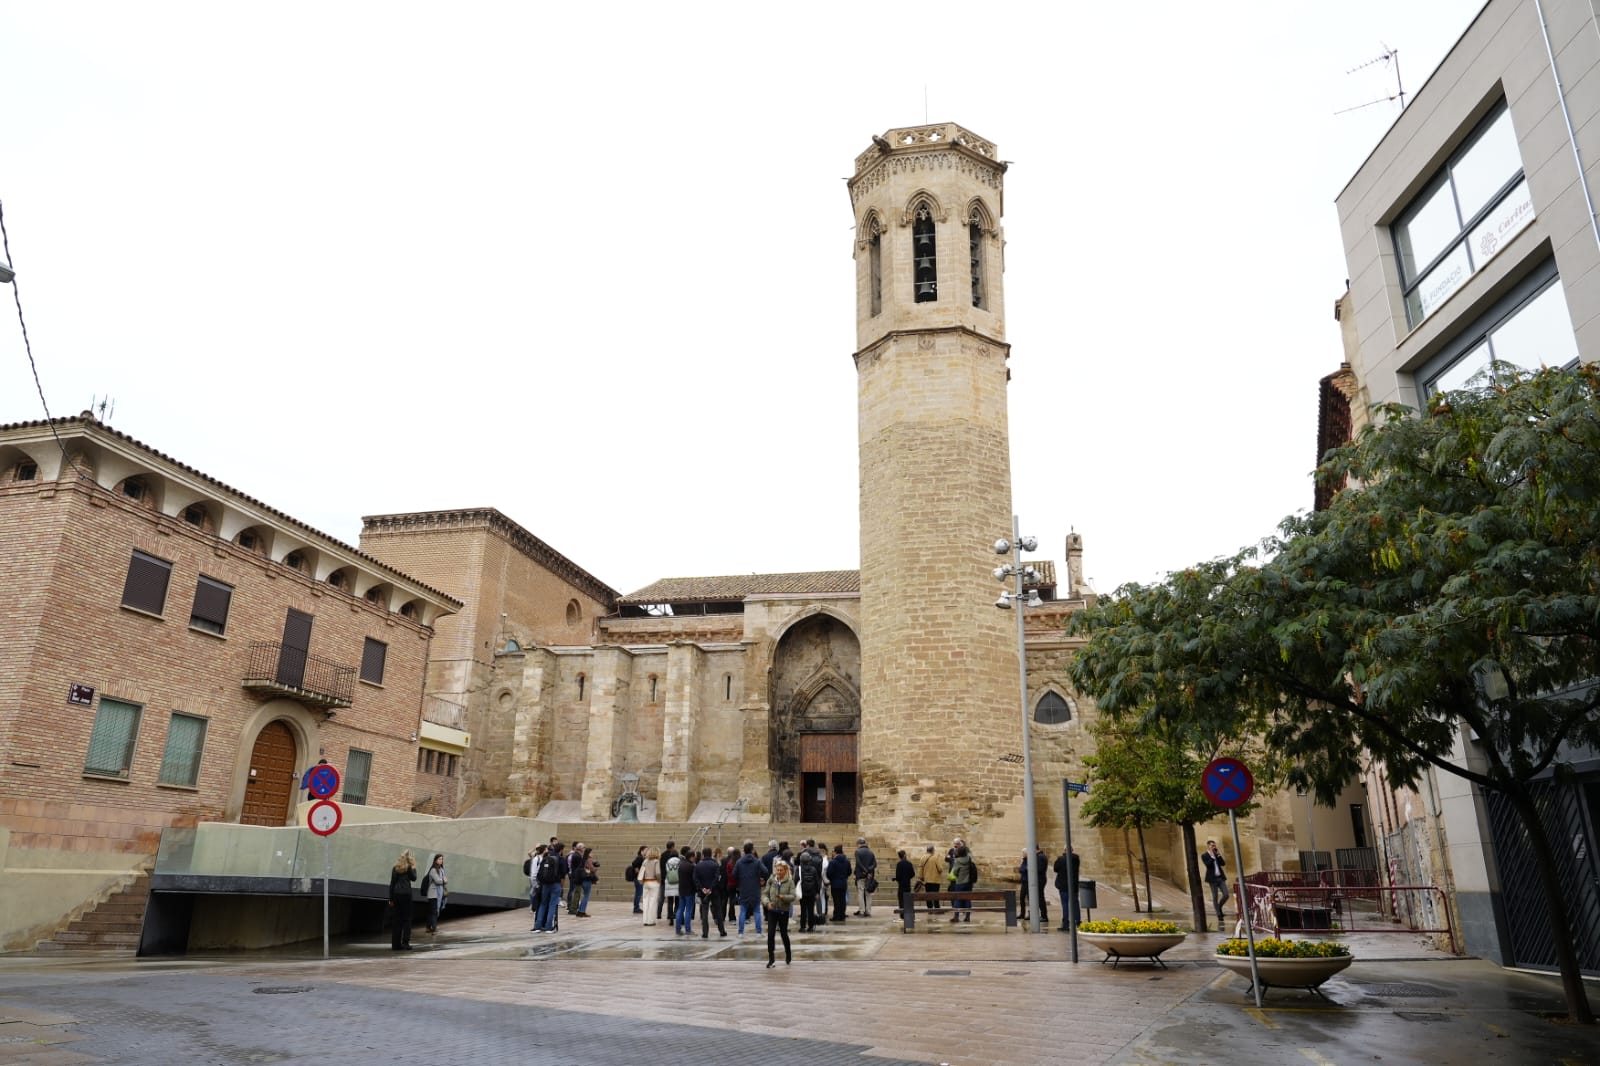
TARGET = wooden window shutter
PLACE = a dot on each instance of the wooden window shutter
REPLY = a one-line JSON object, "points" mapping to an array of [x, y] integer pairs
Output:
{"points": [[146, 587], [372, 660], [211, 602]]}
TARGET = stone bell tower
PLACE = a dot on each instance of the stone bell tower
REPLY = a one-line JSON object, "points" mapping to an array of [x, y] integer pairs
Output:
{"points": [[938, 661]]}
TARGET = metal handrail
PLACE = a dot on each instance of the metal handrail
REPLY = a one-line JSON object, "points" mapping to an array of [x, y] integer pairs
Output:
{"points": [[326, 681]]}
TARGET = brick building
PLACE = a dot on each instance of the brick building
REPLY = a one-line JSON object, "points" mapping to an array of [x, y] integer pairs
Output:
{"points": [[175, 651]]}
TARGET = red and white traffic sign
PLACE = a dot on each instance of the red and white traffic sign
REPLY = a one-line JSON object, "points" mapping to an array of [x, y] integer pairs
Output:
{"points": [[324, 817]]}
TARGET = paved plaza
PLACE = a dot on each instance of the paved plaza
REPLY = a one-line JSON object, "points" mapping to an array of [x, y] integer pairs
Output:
{"points": [[486, 990]]}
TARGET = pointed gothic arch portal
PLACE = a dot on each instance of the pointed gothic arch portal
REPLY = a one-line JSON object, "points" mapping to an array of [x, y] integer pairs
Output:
{"points": [[817, 695]]}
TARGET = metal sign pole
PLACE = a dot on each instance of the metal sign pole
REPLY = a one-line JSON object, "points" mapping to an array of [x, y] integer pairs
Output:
{"points": [[327, 866], [1244, 908], [1072, 897]]}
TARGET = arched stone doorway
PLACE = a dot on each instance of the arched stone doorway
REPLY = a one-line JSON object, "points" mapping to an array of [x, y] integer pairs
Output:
{"points": [[816, 693], [270, 786]]}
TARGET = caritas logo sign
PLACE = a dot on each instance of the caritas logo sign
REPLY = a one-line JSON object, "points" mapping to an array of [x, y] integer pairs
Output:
{"points": [[1509, 218]]}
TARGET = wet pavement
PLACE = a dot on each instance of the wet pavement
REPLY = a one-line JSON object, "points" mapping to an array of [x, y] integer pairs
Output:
{"points": [[608, 990]]}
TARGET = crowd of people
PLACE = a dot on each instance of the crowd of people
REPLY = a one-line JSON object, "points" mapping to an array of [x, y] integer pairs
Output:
{"points": [[736, 887]]}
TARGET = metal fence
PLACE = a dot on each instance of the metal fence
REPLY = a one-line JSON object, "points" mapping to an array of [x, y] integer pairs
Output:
{"points": [[1282, 902]]}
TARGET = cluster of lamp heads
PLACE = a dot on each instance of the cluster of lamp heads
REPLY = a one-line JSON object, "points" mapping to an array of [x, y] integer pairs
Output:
{"points": [[1010, 570]]}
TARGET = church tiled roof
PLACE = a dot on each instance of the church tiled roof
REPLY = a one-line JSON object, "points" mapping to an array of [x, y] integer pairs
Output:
{"points": [[738, 586]]}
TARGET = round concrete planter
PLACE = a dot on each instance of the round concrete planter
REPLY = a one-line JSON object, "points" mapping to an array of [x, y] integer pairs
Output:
{"points": [[1121, 946], [1287, 973]]}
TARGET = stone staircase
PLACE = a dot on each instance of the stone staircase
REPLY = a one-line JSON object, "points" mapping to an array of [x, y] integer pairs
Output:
{"points": [[114, 924]]}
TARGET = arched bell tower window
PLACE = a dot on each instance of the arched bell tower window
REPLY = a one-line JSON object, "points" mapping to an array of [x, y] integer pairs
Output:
{"points": [[875, 264], [924, 254], [975, 255]]}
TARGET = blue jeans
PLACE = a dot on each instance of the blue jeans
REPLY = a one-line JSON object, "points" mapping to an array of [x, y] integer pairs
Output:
{"points": [[583, 904], [1069, 906], [549, 904], [638, 896], [683, 921], [961, 904], [746, 910]]}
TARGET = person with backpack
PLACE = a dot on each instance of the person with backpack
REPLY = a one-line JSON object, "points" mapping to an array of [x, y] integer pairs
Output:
{"points": [[530, 869], [670, 884], [576, 877], [550, 872], [808, 867], [749, 875], [650, 878]]}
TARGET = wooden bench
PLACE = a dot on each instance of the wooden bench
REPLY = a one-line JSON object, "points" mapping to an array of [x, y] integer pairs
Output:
{"points": [[908, 905]]}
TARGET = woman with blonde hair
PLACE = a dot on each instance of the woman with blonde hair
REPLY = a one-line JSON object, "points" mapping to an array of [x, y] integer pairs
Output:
{"points": [[777, 898], [650, 878], [401, 878]]}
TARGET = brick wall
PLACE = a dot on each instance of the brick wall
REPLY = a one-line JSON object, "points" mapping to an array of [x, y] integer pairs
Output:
{"points": [[82, 538]]}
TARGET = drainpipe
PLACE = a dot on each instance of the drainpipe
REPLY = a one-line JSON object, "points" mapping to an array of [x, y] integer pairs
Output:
{"points": [[1566, 116]]}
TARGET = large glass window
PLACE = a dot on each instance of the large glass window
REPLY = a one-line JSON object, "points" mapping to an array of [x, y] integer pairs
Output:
{"points": [[180, 762], [357, 776], [116, 727], [1529, 328], [1464, 216]]}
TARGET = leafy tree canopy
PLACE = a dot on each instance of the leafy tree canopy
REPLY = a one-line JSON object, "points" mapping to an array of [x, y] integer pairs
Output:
{"points": [[1451, 591]]}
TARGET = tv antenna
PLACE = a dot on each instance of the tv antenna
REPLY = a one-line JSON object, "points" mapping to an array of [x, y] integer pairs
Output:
{"points": [[103, 407], [1392, 57]]}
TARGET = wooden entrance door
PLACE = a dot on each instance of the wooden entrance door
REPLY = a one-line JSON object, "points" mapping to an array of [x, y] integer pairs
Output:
{"points": [[828, 777], [270, 786]]}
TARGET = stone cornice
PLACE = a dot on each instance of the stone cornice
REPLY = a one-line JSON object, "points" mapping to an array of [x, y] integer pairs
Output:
{"points": [[895, 334], [489, 518]]}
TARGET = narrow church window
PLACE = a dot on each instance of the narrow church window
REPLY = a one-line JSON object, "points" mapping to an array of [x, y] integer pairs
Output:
{"points": [[925, 255], [581, 680], [652, 688], [975, 253], [875, 265], [727, 680]]}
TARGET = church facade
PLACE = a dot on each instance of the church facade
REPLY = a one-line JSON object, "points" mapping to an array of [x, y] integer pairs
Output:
{"points": [[884, 699]]}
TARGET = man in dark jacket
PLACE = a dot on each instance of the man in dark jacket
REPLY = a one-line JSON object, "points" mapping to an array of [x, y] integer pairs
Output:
{"points": [[749, 876], [708, 887], [1066, 869], [808, 872], [838, 880], [866, 872], [772, 855]]}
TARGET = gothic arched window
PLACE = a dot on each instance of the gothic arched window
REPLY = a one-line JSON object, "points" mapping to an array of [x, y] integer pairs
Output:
{"points": [[1052, 709], [975, 254], [875, 265], [924, 255]]}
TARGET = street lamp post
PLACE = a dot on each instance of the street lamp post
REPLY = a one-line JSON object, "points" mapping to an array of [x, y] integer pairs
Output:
{"points": [[1017, 572]]}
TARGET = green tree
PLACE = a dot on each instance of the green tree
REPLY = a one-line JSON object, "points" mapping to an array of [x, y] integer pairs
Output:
{"points": [[1149, 773], [1443, 611]]}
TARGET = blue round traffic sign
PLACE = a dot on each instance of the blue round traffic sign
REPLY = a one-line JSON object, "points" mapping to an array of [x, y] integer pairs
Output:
{"points": [[1227, 782], [322, 780]]}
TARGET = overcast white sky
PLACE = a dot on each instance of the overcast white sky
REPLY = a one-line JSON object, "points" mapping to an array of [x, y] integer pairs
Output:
{"points": [[591, 264]]}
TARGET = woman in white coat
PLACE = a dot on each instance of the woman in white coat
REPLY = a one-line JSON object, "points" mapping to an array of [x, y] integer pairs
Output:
{"points": [[650, 877]]}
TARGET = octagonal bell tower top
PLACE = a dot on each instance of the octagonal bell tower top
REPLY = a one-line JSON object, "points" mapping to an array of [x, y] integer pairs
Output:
{"points": [[929, 247]]}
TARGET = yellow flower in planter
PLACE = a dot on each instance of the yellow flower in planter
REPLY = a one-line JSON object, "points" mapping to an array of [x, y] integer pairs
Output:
{"points": [[1119, 925], [1273, 948]]}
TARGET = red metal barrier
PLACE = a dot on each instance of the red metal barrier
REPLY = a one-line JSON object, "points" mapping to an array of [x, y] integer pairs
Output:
{"points": [[1276, 904]]}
